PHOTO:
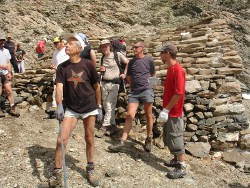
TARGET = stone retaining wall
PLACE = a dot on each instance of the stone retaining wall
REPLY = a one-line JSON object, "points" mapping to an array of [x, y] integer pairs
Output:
{"points": [[213, 108]]}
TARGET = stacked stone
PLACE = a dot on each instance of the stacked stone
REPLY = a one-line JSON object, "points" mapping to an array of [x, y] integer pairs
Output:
{"points": [[34, 86], [214, 112], [213, 108]]}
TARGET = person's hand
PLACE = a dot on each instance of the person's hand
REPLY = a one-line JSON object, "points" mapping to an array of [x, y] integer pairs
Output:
{"points": [[154, 81], [102, 69], [123, 76], [59, 112], [53, 67], [99, 116], [163, 116], [8, 76]]}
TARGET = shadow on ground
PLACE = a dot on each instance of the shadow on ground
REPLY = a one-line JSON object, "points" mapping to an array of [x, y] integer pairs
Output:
{"points": [[146, 157], [42, 161], [238, 185]]}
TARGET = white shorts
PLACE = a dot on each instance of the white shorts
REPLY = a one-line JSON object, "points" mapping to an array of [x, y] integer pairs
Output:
{"points": [[70, 113]]}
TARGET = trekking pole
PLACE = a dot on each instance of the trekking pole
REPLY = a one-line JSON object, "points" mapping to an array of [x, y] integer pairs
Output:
{"points": [[63, 156]]}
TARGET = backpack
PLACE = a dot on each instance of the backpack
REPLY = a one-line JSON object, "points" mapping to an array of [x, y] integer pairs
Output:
{"points": [[118, 46]]}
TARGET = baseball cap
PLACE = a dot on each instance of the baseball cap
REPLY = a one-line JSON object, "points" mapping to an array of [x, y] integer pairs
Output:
{"points": [[56, 39], [8, 36], [104, 41], [168, 47], [2, 37], [77, 37]]}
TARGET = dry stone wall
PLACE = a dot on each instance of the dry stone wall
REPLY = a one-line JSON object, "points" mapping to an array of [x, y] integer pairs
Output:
{"points": [[214, 113]]}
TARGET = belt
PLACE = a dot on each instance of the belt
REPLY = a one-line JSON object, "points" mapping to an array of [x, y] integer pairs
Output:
{"points": [[115, 81]]}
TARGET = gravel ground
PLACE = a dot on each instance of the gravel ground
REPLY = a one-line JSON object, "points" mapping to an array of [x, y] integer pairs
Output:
{"points": [[27, 147]]}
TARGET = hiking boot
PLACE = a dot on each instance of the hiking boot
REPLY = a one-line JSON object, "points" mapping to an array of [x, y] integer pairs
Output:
{"points": [[111, 130], [56, 178], [91, 175], [172, 163], [13, 112], [148, 144], [120, 147], [178, 172], [2, 114], [101, 132]]}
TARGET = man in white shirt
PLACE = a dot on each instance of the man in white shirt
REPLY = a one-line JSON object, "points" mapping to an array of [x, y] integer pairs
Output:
{"points": [[59, 56], [5, 78]]}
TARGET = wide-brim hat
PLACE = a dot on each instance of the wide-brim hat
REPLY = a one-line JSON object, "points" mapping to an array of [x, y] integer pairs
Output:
{"points": [[104, 41]]}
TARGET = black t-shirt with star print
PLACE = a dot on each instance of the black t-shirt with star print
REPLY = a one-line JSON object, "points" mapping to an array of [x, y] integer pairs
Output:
{"points": [[78, 80]]}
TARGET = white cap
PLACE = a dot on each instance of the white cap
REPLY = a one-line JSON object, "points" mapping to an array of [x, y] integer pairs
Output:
{"points": [[45, 40], [77, 37]]}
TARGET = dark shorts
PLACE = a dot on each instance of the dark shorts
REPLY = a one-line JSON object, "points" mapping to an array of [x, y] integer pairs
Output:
{"points": [[173, 131], [144, 97], [39, 55], [3, 80]]}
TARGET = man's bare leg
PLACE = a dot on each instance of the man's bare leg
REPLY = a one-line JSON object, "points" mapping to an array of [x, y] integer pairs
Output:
{"points": [[68, 125], [132, 107]]}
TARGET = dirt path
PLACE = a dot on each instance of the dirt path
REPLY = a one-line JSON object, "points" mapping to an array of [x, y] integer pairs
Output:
{"points": [[27, 147]]}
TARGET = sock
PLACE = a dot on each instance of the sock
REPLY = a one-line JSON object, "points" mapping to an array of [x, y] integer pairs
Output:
{"points": [[11, 105], [182, 163], [90, 163]]}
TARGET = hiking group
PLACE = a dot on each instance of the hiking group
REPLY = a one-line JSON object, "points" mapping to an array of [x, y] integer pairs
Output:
{"points": [[80, 92], [83, 94], [10, 57]]}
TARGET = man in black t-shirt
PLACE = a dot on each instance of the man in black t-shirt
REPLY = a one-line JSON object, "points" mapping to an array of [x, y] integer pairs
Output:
{"points": [[78, 82], [10, 45]]}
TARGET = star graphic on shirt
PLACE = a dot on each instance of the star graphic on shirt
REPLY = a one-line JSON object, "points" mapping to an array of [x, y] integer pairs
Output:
{"points": [[76, 78]]}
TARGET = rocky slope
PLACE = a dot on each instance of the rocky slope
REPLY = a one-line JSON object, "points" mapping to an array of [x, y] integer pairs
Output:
{"points": [[29, 21], [27, 147], [27, 143]]}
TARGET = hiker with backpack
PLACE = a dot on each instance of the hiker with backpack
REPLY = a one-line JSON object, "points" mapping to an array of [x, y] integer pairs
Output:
{"points": [[112, 76], [87, 52]]}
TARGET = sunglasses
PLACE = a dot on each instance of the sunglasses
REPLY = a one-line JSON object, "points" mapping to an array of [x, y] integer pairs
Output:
{"points": [[135, 47], [55, 43]]}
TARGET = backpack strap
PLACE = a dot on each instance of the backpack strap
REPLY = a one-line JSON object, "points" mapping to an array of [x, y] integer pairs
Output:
{"points": [[102, 60], [117, 61]]}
